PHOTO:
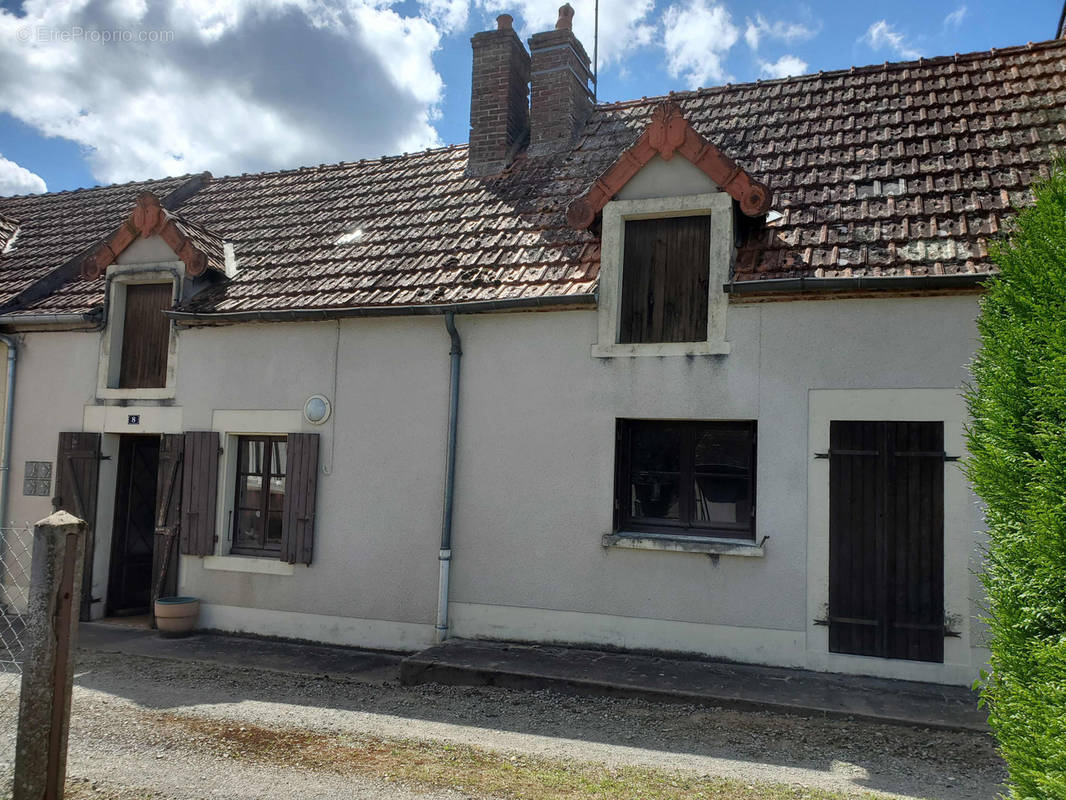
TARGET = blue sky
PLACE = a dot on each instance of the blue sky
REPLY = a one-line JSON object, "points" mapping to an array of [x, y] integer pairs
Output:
{"points": [[99, 91]]}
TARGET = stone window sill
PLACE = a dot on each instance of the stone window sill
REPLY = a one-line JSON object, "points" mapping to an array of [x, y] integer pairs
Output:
{"points": [[660, 349], [262, 566], [685, 544]]}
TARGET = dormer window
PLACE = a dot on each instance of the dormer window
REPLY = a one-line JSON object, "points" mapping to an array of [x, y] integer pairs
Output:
{"points": [[145, 336], [665, 275], [664, 263]]}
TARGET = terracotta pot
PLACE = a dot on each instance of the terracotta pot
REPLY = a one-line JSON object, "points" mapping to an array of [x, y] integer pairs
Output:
{"points": [[176, 616]]}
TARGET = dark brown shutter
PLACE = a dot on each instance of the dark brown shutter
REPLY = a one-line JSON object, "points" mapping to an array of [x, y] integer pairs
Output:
{"points": [[167, 516], [199, 491], [914, 555], [145, 336], [77, 481], [301, 483], [665, 276], [886, 539]]}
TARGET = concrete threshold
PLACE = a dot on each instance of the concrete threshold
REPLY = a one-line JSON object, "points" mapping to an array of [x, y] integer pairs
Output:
{"points": [[683, 680]]}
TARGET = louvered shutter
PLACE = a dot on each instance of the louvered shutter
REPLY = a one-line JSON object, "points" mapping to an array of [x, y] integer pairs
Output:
{"points": [[301, 484], [167, 515], [77, 480], [199, 492]]}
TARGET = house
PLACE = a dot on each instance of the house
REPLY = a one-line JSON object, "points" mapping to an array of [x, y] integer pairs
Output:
{"points": [[680, 373]]}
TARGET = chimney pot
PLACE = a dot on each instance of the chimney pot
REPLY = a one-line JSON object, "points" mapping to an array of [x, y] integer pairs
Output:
{"points": [[566, 18], [504, 22]]}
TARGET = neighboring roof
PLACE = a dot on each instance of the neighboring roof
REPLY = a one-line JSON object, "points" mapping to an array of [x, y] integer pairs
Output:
{"points": [[894, 170]]}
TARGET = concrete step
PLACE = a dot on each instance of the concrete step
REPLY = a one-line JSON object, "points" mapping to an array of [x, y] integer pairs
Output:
{"points": [[684, 680]]}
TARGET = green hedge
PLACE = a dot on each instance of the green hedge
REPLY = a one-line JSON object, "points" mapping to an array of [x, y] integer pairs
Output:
{"points": [[1017, 463]]}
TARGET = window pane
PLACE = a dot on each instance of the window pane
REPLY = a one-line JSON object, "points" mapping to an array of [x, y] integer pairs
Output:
{"points": [[721, 501], [249, 523], [253, 455], [277, 494], [655, 447], [273, 530], [249, 487], [655, 495], [723, 450], [277, 458]]}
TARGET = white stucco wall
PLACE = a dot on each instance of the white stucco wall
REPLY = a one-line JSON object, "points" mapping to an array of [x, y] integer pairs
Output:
{"points": [[535, 468]]}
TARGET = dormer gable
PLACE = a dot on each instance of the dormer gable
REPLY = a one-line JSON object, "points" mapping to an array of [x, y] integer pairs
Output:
{"points": [[667, 135]]}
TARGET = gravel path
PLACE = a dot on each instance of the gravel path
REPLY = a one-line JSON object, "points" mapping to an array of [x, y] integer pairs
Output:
{"points": [[116, 742]]}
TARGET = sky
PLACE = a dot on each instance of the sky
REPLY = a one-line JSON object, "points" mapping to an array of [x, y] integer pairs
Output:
{"points": [[106, 91]]}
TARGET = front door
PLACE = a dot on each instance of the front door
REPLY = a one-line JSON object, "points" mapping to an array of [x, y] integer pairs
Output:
{"points": [[133, 539], [886, 539]]}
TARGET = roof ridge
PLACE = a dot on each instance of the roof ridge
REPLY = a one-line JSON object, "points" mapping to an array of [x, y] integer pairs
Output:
{"points": [[97, 187], [887, 66], [337, 165]]}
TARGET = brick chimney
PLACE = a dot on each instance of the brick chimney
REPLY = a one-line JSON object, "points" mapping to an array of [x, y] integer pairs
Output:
{"points": [[499, 100], [560, 98]]}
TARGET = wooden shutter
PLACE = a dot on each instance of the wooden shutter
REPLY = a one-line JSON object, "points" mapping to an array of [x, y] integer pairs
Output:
{"points": [[914, 554], [199, 491], [665, 275], [886, 539], [145, 336], [301, 483], [167, 516], [77, 481]]}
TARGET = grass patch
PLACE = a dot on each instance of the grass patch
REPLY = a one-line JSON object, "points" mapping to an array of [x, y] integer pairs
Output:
{"points": [[470, 770]]}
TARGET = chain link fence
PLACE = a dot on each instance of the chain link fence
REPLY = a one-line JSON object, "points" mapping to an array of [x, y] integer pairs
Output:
{"points": [[16, 547]]}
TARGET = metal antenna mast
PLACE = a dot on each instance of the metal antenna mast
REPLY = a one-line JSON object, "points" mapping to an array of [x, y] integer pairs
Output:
{"points": [[596, 53]]}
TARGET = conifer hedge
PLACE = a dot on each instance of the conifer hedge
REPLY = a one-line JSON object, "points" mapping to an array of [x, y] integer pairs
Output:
{"points": [[1017, 464]]}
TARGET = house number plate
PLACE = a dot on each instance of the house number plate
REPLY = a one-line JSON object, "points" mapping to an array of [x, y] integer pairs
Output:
{"points": [[134, 419]]}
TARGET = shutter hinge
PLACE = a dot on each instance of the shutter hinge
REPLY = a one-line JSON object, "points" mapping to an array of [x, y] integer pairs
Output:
{"points": [[821, 455]]}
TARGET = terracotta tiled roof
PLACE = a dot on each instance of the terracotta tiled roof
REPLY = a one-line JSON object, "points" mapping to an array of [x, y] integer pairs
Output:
{"points": [[894, 170]]}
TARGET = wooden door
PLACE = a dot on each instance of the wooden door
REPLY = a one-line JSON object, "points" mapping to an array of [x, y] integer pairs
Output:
{"points": [[886, 539], [77, 480], [145, 336], [167, 515], [133, 537]]}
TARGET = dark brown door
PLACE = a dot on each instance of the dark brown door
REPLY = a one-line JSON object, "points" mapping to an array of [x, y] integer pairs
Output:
{"points": [[133, 539], [886, 539], [77, 479], [145, 336]]}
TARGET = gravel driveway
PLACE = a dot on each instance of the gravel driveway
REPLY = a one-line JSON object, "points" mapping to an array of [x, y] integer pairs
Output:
{"points": [[119, 738]]}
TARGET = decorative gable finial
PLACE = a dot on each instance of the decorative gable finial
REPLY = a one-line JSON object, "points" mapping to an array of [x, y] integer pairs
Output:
{"points": [[666, 132], [148, 218], [669, 133]]}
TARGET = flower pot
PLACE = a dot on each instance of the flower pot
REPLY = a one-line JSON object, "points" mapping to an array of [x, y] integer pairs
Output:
{"points": [[176, 616]]}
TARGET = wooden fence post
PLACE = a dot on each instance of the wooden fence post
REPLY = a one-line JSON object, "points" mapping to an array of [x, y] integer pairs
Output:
{"points": [[48, 668]]}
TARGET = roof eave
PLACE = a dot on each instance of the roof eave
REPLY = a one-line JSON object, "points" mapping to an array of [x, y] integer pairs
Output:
{"points": [[556, 302], [857, 283]]}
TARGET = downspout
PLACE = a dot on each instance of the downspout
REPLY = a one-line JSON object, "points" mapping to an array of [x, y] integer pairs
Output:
{"points": [[9, 416], [445, 555]]}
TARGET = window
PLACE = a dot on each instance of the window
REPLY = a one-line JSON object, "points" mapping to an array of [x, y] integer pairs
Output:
{"points": [[686, 478], [260, 499], [145, 336], [665, 274]]}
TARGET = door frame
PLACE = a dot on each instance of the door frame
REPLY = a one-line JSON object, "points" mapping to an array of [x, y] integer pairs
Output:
{"points": [[112, 421], [961, 519]]}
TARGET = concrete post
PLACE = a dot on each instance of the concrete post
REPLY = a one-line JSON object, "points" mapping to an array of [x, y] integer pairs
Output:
{"points": [[48, 668]]}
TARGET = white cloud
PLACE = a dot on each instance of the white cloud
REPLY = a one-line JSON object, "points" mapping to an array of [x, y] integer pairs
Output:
{"points": [[955, 18], [228, 85], [624, 27], [882, 36], [759, 28], [16, 179], [784, 67], [696, 37]]}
